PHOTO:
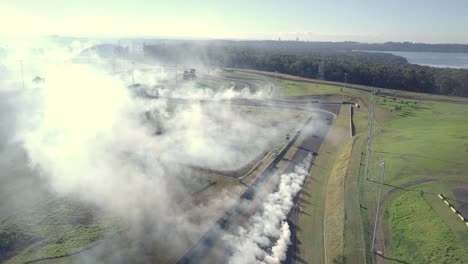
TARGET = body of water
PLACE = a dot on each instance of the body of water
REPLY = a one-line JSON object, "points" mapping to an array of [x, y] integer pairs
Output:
{"points": [[433, 59]]}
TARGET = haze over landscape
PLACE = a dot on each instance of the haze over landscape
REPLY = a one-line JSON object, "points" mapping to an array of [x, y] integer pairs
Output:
{"points": [[367, 21], [241, 132]]}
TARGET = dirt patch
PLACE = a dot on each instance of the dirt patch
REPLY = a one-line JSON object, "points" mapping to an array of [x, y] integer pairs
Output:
{"points": [[461, 196]]}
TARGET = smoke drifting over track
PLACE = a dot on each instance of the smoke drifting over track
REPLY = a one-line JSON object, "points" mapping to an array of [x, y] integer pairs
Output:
{"points": [[84, 135], [266, 230]]}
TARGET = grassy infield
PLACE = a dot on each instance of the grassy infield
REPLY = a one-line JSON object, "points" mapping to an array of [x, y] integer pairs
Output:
{"points": [[52, 227], [421, 140]]}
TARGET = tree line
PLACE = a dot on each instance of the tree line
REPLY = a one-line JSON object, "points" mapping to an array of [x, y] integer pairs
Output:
{"points": [[373, 69]]}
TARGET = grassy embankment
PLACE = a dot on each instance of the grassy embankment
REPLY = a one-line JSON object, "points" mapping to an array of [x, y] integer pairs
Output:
{"points": [[321, 218]]}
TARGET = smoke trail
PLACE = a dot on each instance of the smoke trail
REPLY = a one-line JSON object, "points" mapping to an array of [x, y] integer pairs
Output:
{"points": [[279, 250], [251, 245]]}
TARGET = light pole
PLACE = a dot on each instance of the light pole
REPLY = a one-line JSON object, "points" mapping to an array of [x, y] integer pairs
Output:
{"points": [[345, 80], [22, 76], [369, 139], [378, 205], [176, 74], [133, 75], [212, 78], [113, 62]]}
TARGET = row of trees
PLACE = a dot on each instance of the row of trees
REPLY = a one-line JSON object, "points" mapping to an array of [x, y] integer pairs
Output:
{"points": [[372, 69]]}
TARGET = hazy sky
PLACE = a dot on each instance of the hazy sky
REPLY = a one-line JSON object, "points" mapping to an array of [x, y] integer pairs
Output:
{"points": [[335, 20]]}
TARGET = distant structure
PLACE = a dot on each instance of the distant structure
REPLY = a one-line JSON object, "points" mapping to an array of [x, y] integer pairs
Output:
{"points": [[38, 79], [321, 70], [297, 38], [137, 49], [190, 75]]}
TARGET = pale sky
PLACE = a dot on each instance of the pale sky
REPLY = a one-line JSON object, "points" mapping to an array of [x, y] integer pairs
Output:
{"points": [[432, 21]]}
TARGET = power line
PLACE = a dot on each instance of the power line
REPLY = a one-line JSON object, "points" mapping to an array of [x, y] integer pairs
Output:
{"points": [[378, 205]]}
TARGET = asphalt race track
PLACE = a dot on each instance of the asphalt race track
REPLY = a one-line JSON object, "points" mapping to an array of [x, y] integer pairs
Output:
{"points": [[202, 251]]}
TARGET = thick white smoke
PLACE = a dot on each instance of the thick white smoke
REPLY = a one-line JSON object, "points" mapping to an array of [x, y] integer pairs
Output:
{"points": [[88, 138], [265, 229], [278, 252]]}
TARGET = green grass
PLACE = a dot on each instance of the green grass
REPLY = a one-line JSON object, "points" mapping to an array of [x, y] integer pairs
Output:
{"points": [[421, 140], [354, 247], [71, 239], [52, 227], [294, 88], [335, 205], [414, 226], [311, 221]]}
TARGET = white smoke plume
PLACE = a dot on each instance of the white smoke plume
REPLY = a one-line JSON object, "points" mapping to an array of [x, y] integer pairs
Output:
{"points": [[87, 137], [278, 252], [264, 230]]}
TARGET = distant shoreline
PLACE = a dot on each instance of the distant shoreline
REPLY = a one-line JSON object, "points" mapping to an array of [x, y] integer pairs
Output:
{"points": [[431, 59]]}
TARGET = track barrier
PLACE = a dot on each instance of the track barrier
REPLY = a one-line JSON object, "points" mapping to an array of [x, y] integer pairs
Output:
{"points": [[351, 127], [455, 211]]}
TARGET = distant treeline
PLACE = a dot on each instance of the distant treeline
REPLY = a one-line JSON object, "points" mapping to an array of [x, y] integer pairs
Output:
{"points": [[301, 59], [306, 46], [405, 46], [388, 46]]}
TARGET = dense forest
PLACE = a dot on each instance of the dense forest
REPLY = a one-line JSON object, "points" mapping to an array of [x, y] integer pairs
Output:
{"points": [[405, 46], [297, 58]]}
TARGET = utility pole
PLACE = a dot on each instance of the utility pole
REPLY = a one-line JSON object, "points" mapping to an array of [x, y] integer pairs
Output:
{"points": [[22, 76], [212, 78], [369, 139], [345, 79], [378, 204], [274, 87], [133, 75], [176, 74]]}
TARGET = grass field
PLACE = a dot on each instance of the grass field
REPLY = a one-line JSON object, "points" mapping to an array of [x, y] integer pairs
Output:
{"points": [[52, 227], [293, 88], [425, 147], [419, 235]]}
